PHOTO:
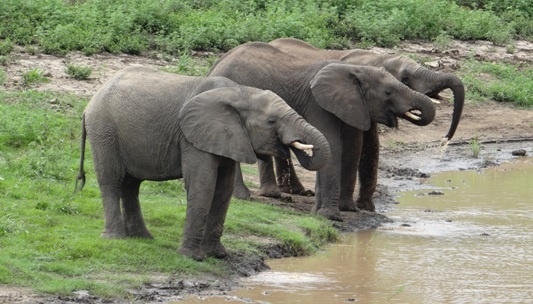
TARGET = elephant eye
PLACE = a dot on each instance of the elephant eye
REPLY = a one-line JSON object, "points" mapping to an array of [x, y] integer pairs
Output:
{"points": [[388, 92], [405, 79], [271, 121]]}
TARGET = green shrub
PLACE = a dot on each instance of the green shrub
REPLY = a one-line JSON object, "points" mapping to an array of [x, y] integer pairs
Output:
{"points": [[133, 27], [6, 47], [507, 82], [78, 72], [33, 76]]}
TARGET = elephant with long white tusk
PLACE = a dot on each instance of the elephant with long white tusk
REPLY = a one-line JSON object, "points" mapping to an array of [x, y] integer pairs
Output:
{"points": [[144, 124]]}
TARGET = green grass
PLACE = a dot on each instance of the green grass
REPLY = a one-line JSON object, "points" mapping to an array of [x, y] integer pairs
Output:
{"points": [[33, 76], [78, 72], [475, 147], [49, 235], [170, 26], [498, 81]]}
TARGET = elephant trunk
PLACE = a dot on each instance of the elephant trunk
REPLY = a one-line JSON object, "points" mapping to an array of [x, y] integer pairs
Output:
{"points": [[306, 142], [421, 111], [458, 89], [442, 81]]}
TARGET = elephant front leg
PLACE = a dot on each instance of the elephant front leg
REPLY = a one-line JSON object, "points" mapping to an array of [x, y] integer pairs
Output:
{"points": [[200, 176], [240, 190], [211, 244], [328, 206], [368, 169], [287, 178], [327, 189], [267, 178], [352, 144]]}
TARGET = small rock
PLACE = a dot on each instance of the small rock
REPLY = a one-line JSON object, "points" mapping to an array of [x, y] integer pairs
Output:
{"points": [[434, 192], [405, 225], [519, 152], [484, 234], [432, 64]]}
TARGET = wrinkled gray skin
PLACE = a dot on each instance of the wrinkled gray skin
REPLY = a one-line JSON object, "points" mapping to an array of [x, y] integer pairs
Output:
{"points": [[405, 70], [145, 124], [340, 100]]}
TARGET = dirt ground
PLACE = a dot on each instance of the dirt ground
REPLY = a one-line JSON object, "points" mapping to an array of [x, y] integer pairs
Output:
{"points": [[408, 155]]}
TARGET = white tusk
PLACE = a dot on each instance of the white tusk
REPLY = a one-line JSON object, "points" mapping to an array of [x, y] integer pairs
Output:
{"points": [[307, 149], [436, 101], [412, 116]]}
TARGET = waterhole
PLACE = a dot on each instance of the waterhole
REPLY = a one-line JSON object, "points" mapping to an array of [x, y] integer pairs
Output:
{"points": [[467, 239]]}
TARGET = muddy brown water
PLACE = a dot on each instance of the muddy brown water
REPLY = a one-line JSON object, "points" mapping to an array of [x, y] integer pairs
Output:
{"points": [[468, 238]]}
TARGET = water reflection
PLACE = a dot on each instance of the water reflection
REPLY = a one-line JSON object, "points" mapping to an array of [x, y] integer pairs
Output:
{"points": [[471, 245]]}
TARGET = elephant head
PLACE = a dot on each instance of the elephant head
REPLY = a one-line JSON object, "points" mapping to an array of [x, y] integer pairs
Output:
{"points": [[361, 94], [256, 123], [416, 77]]}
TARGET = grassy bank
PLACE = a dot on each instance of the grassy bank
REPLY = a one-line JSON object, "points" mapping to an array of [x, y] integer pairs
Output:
{"points": [[49, 235]]}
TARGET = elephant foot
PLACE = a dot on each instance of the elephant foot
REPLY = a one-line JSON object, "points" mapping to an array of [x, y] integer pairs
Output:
{"points": [[215, 249], [113, 235], [291, 187], [296, 190], [367, 205], [330, 213], [347, 205], [241, 192], [140, 233], [196, 254], [269, 191]]}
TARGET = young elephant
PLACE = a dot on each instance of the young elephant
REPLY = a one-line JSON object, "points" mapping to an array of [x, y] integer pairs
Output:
{"points": [[145, 124], [340, 100]]}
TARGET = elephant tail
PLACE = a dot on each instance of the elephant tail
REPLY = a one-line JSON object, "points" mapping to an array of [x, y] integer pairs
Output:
{"points": [[81, 173]]}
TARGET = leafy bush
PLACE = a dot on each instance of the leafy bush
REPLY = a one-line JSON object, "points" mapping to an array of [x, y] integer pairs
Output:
{"points": [[6, 47], [133, 27], [78, 72], [505, 82], [33, 76]]}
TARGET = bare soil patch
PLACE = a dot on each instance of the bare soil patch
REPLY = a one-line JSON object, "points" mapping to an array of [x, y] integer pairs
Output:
{"points": [[408, 153]]}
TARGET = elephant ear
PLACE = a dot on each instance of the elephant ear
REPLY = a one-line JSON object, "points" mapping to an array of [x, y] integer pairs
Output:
{"points": [[212, 123], [337, 89]]}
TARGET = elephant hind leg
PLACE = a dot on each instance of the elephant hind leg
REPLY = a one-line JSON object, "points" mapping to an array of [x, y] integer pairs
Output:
{"points": [[131, 209], [114, 227], [110, 174]]}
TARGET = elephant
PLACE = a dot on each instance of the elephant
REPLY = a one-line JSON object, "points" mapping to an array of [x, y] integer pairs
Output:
{"points": [[341, 100], [405, 70], [145, 124]]}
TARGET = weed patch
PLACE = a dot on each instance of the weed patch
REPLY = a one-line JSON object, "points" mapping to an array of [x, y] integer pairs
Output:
{"points": [[508, 83]]}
